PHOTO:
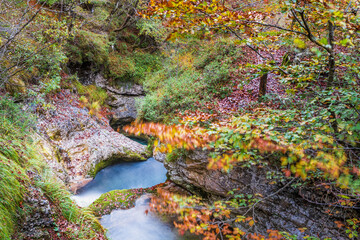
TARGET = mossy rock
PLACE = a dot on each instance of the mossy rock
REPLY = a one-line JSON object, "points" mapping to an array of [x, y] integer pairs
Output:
{"points": [[89, 47], [118, 199], [15, 86], [128, 156]]}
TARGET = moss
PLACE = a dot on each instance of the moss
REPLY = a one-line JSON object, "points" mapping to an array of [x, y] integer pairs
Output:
{"points": [[15, 86], [101, 14], [127, 157], [134, 156], [119, 199], [116, 199], [89, 47]]}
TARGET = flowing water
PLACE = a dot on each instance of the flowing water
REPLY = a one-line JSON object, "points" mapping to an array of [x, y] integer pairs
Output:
{"points": [[133, 224]]}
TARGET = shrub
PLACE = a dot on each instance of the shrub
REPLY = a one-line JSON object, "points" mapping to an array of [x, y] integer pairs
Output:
{"points": [[91, 92], [171, 94], [132, 68], [88, 47]]}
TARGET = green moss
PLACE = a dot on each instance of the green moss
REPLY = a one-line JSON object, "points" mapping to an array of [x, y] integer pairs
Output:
{"points": [[127, 157], [119, 199], [89, 47], [116, 199], [134, 156]]}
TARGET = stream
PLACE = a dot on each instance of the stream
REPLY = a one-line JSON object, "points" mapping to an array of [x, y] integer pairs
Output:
{"points": [[131, 223], [124, 175]]}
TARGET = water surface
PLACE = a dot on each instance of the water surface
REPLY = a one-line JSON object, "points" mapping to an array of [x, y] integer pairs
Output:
{"points": [[124, 175], [135, 223]]}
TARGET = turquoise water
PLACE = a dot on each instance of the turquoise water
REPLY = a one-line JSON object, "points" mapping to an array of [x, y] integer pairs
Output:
{"points": [[134, 223], [124, 175]]}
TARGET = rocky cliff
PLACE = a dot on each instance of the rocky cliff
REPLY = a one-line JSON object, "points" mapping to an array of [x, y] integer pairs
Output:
{"points": [[81, 144], [122, 100], [282, 206]]}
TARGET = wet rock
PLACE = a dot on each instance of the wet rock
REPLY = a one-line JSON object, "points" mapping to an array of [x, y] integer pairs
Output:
{"points": [[123, 101], [287, 210], [82, 144], [39, 215]]}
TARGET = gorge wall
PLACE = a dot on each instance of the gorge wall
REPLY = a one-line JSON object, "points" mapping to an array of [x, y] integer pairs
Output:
{"points": [[282, 207]]}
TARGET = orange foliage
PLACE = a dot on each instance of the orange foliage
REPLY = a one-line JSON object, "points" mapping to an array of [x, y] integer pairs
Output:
{"points": [[177, 136]]}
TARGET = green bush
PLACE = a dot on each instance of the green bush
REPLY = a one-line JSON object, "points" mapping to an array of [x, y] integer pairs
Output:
{"points": [[133, 67], [14, 123], [171, 94]]}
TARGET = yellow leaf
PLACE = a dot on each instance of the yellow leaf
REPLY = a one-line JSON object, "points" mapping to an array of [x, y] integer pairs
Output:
{"points": [[251, 223]]}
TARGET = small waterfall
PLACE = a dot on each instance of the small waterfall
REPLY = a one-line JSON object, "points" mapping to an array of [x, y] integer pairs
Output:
{"points": [[135, 223]]}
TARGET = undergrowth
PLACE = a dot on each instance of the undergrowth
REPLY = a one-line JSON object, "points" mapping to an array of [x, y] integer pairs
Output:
{"points": [[193, 72], [18, 158], [91, 92]]}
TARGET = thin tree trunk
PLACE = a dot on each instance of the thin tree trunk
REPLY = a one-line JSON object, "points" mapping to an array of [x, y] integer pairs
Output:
{"points": [[262, 86], [331, 76]]}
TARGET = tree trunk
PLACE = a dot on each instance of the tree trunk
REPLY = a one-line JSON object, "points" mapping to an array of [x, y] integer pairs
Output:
{"points": [[331, 76], [331, 54], [262, 86]]}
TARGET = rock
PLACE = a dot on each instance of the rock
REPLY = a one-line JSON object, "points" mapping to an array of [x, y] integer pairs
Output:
{"points": [[82, 144], [125, 111], [77, 185], [123, 101], [127, 89], [159, 156], [286, 211], [39, 216], [100, 81]]}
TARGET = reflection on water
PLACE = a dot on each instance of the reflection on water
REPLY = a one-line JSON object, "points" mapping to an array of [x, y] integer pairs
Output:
{"points": [[122, 176], [134, 223]]}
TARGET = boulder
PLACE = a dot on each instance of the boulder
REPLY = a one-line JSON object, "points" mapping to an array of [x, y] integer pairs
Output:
{"points": [[123, 101]]}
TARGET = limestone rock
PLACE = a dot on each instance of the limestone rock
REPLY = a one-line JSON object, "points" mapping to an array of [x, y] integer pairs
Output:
{"points": [[82, 144], [100, 81], [36, 222], [123, 101], [286, 211], [127, 90]]}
